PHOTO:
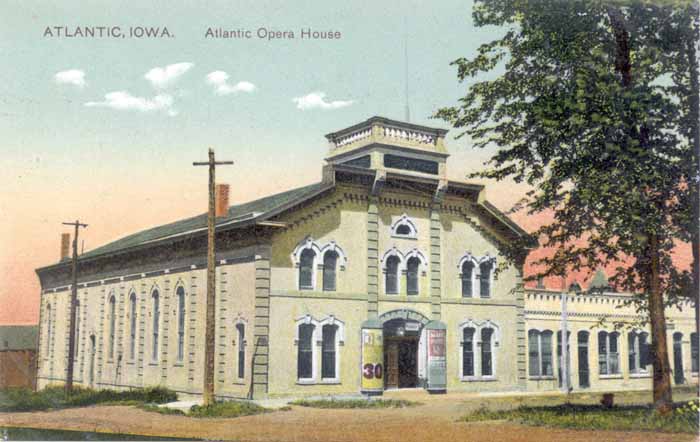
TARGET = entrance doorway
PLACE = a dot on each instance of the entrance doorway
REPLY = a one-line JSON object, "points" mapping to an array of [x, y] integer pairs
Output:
{"points": [[401, 338]]}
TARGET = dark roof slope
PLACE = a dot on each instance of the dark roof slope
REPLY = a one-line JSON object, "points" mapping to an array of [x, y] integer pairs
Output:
{"points": [[18, 337], [246, 211]]}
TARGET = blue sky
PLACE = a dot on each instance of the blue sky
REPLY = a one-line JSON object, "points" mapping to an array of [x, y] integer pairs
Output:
{"points": [[125, 169]]}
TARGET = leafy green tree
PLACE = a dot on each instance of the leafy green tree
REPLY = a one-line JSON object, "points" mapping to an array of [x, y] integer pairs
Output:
{"points": [[585, 104]]}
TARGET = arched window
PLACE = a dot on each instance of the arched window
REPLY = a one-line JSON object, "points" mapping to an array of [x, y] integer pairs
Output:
{"points": [[485, 269], [305, 352], [404, 227], [412, 275], [486, 352], [403, 230], [306, 269], [608, 355], [180, 323], [638, 352], [240, 327], [112, 326], [694, 352], [132, 326], [540, 353], [468, 351], [467, 275], [330, 260], [328, 351], [155, 297], [49, 330], [392, 275], [77, 328]]}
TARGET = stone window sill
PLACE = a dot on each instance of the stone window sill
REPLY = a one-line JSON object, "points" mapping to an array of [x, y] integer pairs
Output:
{"points": [[330, 381], [479, 379], [306, 382], [639, 375], [541, 378], [610, 376], [179, 364], [152, 364]]}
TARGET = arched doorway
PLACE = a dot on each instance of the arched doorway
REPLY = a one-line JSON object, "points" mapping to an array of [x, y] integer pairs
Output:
{"points": [[404, 348], [401, 339]]}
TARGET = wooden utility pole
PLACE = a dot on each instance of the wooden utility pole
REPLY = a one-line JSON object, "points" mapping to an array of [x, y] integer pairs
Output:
{"points": [[73, 301], [210, 324]]}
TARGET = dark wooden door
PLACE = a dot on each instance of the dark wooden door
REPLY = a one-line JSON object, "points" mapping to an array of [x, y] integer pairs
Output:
{"points": [[408, 363], [391, 363], [678, 377]]}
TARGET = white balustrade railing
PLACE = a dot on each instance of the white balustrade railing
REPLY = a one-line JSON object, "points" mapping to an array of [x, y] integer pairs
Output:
{"points": [[397, 133]]}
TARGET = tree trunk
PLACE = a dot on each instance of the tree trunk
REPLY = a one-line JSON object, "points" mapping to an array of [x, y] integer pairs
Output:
{"points": [[662, 377]]}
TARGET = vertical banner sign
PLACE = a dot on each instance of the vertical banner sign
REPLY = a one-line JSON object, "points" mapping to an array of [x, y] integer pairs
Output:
{"points": [[436, 360], [372, 361]]}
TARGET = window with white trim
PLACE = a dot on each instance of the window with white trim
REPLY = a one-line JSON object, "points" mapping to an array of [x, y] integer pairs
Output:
{"points": [[305, 352], [608, 354], [467, 277], [180, 323], [306, 269], [391, 279], [328, 351], [412, 269], [638, 352], [240, 372], [155, 299], [49, 329], [468, 351], [486, 352], [479, 342], [540, 353], [404, 227], [330, 262], [485, 270], [112, 326], [132, 326]]}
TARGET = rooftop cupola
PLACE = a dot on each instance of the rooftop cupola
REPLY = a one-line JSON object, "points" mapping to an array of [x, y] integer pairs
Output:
{"points": [[383, 144]]}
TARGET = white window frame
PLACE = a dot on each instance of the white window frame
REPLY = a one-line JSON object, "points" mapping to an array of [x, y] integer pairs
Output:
{"points": [[133, 324], [476, 274], [111, 325], [636, 342], [404, 220], [608, 373], [477, 341], [339, 342], [307, 243], [238, 344], [552, 352], [305, 320], [180, 357], [399, 269]]}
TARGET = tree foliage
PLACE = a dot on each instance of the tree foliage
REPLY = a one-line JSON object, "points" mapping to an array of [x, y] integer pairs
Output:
{"points": [[608, 156]]}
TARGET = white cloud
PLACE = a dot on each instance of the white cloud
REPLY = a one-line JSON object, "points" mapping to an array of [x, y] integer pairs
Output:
{"points": [[164, 77], [122, 100], [317, 100], [219, 79], [75, 77]]}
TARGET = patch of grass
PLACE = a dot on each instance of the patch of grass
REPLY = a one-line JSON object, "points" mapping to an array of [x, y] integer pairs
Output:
{"points": [[24, 399], [162, 410], [355, 403], [227, 409], [595, 417]]}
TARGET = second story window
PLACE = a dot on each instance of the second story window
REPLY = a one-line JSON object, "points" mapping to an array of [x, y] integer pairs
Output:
{"points": [[392, 275], [330, 261], [306, 269], [412, 286]]}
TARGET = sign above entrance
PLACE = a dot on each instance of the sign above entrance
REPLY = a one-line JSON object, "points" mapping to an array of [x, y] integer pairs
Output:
{"points": [[404, 314]]}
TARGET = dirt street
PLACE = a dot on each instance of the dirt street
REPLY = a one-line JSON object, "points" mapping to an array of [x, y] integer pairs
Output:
{"points": [[436, 420]]}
